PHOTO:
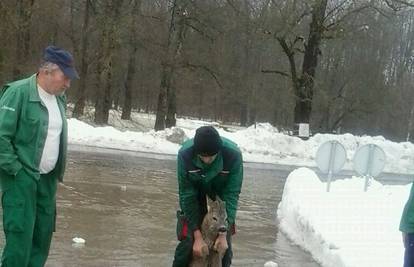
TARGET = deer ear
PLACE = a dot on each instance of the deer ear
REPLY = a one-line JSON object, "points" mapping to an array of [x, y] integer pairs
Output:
{"points": [[209, 202], [218, 199]]}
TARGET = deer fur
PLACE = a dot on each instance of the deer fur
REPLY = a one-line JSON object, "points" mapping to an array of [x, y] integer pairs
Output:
{"points": [[214, 221]]}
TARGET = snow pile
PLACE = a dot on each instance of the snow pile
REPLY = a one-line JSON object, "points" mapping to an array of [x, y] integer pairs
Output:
{"points": [[346, 227], [81, 133], [263, 143]]}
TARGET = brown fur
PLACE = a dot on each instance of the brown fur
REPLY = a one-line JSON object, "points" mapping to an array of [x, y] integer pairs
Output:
{"points": [[215, 219]]}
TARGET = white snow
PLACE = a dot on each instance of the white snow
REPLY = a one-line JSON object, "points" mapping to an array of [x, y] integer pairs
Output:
{"points": [[78, 240], [261, 144], [271, 264], [346, 227]]}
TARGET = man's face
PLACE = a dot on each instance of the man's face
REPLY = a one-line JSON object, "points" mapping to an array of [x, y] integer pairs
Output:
{"points": [[207, 159], [56, 81]]}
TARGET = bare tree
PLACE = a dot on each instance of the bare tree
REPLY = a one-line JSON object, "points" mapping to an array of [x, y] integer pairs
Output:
{"points": [[24, 17], [126, 110], [81, 92], [343, 65], [110, 19], [303, 83], [166, 108]]}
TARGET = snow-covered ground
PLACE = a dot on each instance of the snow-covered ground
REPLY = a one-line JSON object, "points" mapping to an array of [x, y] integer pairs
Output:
{"points": [[346, 227], [263, 143]]}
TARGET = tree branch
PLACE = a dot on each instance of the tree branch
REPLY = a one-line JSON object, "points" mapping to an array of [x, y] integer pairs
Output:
{"points": [[397, 5], [276, 72], [337, 7], [339, 20], [290, 54], [205, 68], [203, 33]]}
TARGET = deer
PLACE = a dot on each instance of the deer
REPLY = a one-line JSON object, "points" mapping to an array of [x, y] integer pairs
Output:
{"points": [[214, 222]]}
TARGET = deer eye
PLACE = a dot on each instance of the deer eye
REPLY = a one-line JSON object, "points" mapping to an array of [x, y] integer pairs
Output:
{"points": [[214, 218]]}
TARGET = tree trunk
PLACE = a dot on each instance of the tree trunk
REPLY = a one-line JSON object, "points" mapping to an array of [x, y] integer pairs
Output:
{"points": [[24, 9], [166, 108], [245, 80], [126, 109], [410, 124], [243, 114], [106, 62], [303, 105], [81, 93], [104, 99], [162, 99], [1, 65], [200, 102], [171, 107], [103, 72]]}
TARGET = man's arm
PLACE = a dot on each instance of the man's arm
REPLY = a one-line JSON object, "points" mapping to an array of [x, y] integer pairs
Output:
{"points": [[188, 196], [9, 114], [233, 188]]}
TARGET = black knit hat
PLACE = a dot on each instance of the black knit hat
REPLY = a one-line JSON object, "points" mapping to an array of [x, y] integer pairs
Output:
{"points": [[207, 141]]}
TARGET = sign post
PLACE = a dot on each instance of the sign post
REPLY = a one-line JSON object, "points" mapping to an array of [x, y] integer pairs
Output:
{"points": [[369, 161], [330, 158]]}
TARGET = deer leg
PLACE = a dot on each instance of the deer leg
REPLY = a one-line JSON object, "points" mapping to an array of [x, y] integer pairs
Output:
{"points": [[198, 262], [215, 259]]}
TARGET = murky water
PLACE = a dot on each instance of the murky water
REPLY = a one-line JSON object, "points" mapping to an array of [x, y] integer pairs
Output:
{"points": [[124, 207]]}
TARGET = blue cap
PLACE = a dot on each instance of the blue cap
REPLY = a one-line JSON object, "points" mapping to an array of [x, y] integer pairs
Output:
{"points": [[63, 59]]}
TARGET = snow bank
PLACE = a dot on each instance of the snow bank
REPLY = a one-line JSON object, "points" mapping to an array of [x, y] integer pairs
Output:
{"points": [[346, 227], [261, 144]]}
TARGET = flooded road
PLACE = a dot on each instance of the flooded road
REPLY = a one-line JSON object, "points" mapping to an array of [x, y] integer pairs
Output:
{"points": [[124, 206]]}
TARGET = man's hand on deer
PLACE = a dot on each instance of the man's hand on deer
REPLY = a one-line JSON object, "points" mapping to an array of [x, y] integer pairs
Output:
{"points": [[200, 248], [220, 245]]}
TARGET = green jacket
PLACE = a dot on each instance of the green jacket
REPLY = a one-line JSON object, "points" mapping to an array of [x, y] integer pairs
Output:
{"points": [[23, 129], [223, 177], [407, 218]]}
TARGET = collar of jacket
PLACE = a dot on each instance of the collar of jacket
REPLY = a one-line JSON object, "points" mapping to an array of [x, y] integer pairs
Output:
{"points": [[209, 171], [34, 94]]}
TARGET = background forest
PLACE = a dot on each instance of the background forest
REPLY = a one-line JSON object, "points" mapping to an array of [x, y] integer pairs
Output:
{"points": [[340, 65]]}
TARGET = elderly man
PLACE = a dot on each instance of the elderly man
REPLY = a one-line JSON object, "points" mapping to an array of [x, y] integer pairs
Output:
{"points": [[33, 140], [206, 165]]}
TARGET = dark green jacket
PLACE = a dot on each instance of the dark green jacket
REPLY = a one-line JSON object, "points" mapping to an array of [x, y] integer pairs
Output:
{"points": [[23, 129], [223, 177], [407, 218]]}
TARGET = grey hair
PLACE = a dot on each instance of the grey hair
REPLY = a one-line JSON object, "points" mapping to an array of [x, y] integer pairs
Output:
{"points": [[48, 66]]}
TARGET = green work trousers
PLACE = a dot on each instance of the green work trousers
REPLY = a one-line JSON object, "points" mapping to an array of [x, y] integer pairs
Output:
{"points": [[29, 214]]}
